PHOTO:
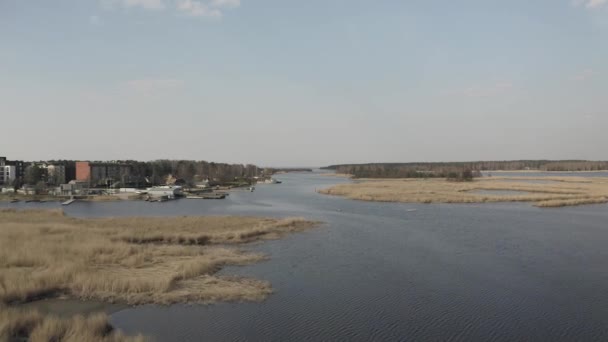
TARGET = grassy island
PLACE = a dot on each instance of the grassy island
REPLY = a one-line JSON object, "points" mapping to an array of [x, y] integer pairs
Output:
{"points": [[542, 191]]}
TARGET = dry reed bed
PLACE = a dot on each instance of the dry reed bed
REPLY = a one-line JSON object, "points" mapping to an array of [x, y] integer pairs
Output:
{"points": [[18, 325], [130, 260], [43, 253], [562, 191]]}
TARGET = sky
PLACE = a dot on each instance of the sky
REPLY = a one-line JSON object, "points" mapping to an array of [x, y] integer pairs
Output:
{"points": [[304, 83]]}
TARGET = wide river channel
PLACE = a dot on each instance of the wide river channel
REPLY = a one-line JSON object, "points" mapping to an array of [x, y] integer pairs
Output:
{"points": [[390, 271]]}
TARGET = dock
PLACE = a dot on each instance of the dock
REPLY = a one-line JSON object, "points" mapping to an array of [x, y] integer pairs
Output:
{"points": [[68, 202], [207, 196]]}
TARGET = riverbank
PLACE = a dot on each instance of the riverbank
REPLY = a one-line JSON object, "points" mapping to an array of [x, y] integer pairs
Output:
{"points": [[552, 192], [133, 261], [47, 198], [543, 171], [339, 175]]}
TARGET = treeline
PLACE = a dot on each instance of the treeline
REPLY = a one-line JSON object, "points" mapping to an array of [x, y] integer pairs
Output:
{"points": [[449, 169], [192, 172], [273, 170]]}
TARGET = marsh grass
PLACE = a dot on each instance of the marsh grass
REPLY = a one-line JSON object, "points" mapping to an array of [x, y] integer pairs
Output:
{"points": [[19, 325], [131, 260], [562, 191]]}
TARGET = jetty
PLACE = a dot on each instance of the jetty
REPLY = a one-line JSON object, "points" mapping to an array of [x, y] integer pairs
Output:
{"points": [[207, 196], [68, 202]]}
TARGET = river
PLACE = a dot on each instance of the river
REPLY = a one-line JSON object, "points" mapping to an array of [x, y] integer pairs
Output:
{"points": [[390, 271]]}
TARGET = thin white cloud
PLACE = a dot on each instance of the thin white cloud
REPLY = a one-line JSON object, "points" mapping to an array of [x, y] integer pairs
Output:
{"points": [[197, 9], [583, 75], [149, 86], [95, 20], [193, 8], [596, 3], [481, 91], [225, 3], [146, 4], [590, 4]]}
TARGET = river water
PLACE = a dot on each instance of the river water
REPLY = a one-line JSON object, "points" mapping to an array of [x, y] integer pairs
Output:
{"points": [[390, 271]]}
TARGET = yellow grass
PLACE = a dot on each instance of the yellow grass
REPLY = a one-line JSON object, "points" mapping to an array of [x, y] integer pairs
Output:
{"points": [[131, 260], [18, 325], [562, 191], [342, 175]]}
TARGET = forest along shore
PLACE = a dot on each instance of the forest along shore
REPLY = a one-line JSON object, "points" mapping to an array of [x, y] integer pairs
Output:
{"points": [[134, 261], [552, 192]]}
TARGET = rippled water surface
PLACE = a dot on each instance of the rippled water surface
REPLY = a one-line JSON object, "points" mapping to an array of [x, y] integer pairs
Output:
{"points": [[378, 271]]}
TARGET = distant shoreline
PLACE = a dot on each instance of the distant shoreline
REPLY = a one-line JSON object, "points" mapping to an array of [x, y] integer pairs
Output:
{"points": [[541, 171]]}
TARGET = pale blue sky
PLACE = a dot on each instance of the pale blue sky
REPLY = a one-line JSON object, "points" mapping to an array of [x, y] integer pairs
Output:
{"points": [[278, 82]]}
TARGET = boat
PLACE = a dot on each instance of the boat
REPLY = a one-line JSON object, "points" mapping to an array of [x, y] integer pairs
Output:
{"points": [[157, 199], [15, 200], [272, 181], [252, 188]]}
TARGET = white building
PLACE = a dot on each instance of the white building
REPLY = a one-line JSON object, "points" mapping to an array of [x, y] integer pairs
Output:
{"points": [[7, 174]]}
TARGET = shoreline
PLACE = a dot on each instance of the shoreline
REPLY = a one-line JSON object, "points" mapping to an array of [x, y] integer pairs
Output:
{"points": [[541, 171]]}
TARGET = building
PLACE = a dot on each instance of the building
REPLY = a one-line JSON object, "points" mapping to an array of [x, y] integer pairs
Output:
{"points": [[2, 172], [71, 189], [8, 174], [11, 171], [56, 174], [19, 169], [83, 171], [103, 174]]}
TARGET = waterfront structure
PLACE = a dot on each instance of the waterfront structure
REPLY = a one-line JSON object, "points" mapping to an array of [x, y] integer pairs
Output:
{"points": [[56, 174], [168, 191], [2, 170], [102, 173], [83, 171], [72, 188], [11, 171], [7, 174]]}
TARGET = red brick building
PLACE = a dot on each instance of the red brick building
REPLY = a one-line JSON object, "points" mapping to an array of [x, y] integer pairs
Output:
{"points": [[83, 171]]}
